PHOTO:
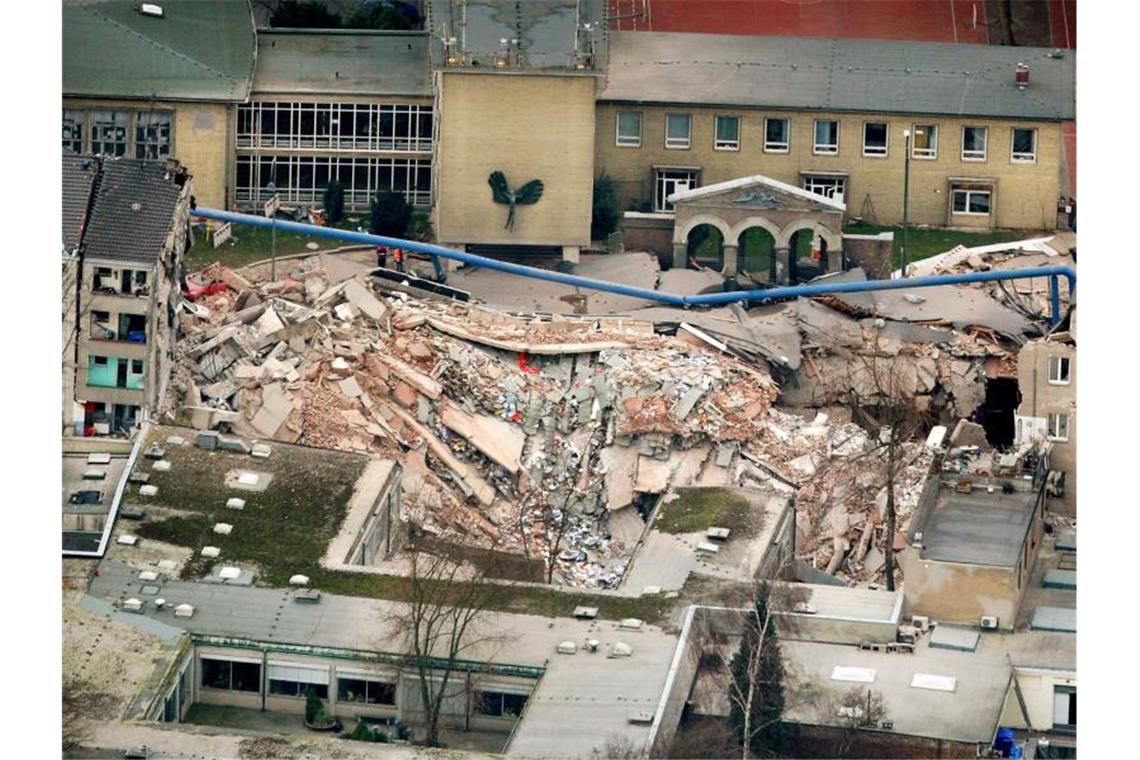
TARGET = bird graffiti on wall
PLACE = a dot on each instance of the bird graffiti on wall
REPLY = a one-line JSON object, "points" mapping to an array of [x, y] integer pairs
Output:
{"points": [[501, 192]]}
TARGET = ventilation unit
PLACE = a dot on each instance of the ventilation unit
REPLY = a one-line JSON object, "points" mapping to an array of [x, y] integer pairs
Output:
{"points": [[989, 622]]}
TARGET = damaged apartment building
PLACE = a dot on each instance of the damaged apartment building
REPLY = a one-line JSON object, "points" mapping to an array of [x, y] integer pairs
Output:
{"points": [[125, 230]]}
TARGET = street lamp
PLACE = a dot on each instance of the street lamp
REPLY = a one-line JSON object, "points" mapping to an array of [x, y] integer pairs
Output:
{"points": [[906, 200]]}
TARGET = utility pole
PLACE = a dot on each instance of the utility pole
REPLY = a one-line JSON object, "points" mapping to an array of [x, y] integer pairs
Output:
{"points": [[906, 202]]}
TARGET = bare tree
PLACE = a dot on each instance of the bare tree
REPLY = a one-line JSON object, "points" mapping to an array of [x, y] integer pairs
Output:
{"points": [[616, 747], [555, 523], [440, 626], [890, 408], [856, 709], [755, 686]]}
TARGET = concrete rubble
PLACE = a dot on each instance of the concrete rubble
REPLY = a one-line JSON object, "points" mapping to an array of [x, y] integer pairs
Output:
{"points": [[541, 435]]}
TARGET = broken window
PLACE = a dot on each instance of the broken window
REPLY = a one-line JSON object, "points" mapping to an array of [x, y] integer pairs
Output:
{"points": [[678, 131], [974, 143], [971, 199], [830, 186], [924, 141], [1024, 146], [101, 326], [826, 137], [727, 133], [73, 127], [1059, 370], [669, 181], [109, 133], [875, 139], [1057, 427], [629, 129], [152, 134], [776, 136]]}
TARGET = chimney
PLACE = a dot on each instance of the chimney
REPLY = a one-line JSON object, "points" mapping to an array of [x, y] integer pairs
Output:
{"points": [[1021, 76]]}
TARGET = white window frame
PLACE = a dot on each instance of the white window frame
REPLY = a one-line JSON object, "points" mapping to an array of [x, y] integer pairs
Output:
{"points": [[1022, 158], [660, 205], [1054, 427], [1062, 700], [824, 149], [976, 155], [970, 191], [834, 187], [1056, 376], [778, 147], [627, 141], [677, 143], [730, 145], [876, 151], [924, 154]]}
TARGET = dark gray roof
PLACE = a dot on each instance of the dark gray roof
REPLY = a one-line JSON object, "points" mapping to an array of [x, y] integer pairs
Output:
{"points": [[839, 75], [978, 528], [341, 63], [198, 50], [79, 173], [135, 203]]}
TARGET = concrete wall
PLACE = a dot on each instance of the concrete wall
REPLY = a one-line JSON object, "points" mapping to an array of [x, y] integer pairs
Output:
{"points": [[1037, 691], [1039, 398], [827, 741], [958, 593], [528, 127], [834, 630], [202, 140], [682, 675], [1025, 195], [70, 340], [649, 232], [871, 252]]}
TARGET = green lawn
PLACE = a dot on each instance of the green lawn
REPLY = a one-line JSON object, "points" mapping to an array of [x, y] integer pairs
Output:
{"points": [[251, 244], [697, 509], [924, 243], [285, 529]]}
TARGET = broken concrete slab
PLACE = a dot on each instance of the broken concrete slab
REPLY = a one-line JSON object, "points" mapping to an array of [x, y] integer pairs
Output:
{"points": [[363, 300], [500, 440], [276, 406], [350, 387], [968, 433]]}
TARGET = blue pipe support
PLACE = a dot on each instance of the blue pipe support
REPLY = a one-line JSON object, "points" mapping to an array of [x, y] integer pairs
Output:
{"points": [[708, 299]]}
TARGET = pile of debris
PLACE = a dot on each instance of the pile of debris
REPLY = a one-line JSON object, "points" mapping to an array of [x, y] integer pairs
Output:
{"points": [[506, 426]]}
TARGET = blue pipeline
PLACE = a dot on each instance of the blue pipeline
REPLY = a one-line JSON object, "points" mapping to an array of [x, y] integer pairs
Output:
{"points": [[708, 299]]}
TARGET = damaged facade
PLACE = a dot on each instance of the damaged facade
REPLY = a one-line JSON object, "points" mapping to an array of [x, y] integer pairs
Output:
{"points": [[127, 222]]}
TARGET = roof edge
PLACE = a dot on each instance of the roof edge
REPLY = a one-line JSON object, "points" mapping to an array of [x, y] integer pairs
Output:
{"points": [[742, 182]]}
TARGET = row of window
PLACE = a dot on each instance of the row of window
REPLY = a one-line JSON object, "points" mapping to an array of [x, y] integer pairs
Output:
{"points": [[303, 179], [126, 282], [777, 137], [296, 681], [139, 134], [111, 372], [335, 126]]}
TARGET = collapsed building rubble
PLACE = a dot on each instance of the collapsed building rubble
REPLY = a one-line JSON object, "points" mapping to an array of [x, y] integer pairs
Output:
{"points": [[544, 435]]}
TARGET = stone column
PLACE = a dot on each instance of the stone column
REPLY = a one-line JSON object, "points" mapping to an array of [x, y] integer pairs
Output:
{"points": [[571, 253], [834, 260], [680, 255], [730, 260]]}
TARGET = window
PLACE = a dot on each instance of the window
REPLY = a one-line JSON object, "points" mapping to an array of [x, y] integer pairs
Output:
{"points": [[1065, 708], [678, 131], [669, 181], [826, 185], [1058, 370], [99, 361], [1024, 146], [974, 143], [499, 704], [302, 179], [1057, 427], [366, 691], [875, 139], [152, 134], [727, 133], [826, 138], [73, 126], [971, 200], [292, 680], [924, 141], [776, 136], [335, 126], [231, 675], [629, 129], [109, 133], [136, 366]]}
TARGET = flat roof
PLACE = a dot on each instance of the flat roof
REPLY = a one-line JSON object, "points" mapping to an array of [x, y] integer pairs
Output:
{"points": [[816, 73], [850, 603], [978, 528], [306, 61], [575, 691], [969, 713], [74, 467]]}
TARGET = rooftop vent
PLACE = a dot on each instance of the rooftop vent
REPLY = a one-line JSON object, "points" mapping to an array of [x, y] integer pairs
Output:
{"points": [[567, 647], [184, 610], [1021, 76], [150, 9], [621, 649], [133, 605]]}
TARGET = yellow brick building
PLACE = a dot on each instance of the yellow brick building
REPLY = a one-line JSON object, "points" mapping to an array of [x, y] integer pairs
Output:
{"points": [[687, 110]]}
